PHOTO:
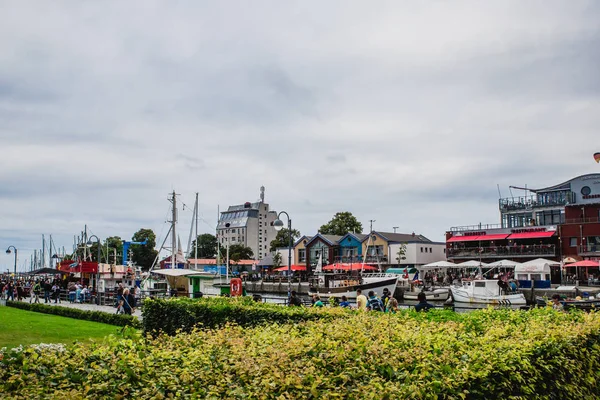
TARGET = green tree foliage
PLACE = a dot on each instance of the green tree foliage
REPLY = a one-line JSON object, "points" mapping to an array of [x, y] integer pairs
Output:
{"points": [[144, 255], [207, 246], [401, 254], [340, 224], [113, 250], [282, 239], [277, 260], [239, 252]]}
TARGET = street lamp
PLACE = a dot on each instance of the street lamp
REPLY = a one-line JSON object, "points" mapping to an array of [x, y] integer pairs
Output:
{"points": [[96, 282], [278, 225], [8, 252]]}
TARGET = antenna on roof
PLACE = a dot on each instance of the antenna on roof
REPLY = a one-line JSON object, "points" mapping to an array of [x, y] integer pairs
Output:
{"points": [[499, 195], [262, 194]]}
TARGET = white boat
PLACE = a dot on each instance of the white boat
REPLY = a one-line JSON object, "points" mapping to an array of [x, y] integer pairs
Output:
{"points": [[485, 291], [432, 294], [336, 285]]}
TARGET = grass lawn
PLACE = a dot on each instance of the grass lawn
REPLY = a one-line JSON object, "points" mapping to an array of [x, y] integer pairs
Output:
{"points": [[28, 327]]}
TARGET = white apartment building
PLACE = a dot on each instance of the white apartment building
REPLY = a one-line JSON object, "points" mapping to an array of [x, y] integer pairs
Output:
{"points": [[419, 251], [250, 224]]}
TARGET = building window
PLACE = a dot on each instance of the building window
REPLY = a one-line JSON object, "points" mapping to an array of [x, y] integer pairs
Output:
{"points": [[265, 231], [573, 242], [233, 239], [421, 249], [444, 250], [265, 246], [430, 250], [302, 255]]}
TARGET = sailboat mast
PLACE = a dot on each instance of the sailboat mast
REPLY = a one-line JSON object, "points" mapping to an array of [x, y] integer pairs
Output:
{"points": [[173, 234], [196, 235]]}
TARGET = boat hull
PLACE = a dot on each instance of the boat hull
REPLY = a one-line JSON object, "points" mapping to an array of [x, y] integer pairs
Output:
{"points": [[350, 291], [440, 294], [463, 296]]}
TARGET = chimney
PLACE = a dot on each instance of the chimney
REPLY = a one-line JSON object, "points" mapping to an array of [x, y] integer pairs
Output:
{"points": [[413, 234]]}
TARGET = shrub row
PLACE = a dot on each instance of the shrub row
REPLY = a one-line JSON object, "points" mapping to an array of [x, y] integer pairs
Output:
{"points": [[183, 314], [540, 354], [97, 316]]}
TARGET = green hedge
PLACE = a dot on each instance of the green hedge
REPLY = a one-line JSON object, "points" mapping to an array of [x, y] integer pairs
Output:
{"points": [[538, 354], [97, 316], [182, 314]]}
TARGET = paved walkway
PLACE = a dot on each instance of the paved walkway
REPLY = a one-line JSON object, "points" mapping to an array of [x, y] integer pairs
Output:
{"points": [[87, 307]]}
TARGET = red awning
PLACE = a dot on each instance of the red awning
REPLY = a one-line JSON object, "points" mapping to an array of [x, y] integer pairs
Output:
{"points": [[293, 268], [348, 267], [463, 239], [531, 235], [501, 236], [584, 263]]}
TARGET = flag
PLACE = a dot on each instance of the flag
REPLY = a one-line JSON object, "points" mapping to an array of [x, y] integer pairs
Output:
{"points": [[73, 265], [416, 277], [319, 267], [597, 157], [405, 272]]}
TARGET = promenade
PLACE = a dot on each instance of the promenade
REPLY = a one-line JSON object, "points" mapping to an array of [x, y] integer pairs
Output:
{"points": [[86, 307]]}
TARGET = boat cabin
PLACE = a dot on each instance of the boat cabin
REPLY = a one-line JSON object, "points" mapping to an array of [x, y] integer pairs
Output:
{"points": [[482, 287], [536, 275]]}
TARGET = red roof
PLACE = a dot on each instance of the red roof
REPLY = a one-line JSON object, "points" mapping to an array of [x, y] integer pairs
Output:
{"points": [[532, 235], [348, 267], [293, 268]]}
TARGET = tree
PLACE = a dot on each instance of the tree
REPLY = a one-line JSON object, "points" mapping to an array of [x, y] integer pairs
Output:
{"points": [[340, 224], [207, 246], [239, 252], [401, 253], [277, 260], [114, 245], [144, 255], [282, 239]]}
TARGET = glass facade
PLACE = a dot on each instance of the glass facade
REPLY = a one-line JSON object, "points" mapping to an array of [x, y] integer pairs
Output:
{"points": [[517, 220], [550, 217], [301, 256]]}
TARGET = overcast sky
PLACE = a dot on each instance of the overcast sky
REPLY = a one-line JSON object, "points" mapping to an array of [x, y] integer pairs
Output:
{"points": [[409, 113]]}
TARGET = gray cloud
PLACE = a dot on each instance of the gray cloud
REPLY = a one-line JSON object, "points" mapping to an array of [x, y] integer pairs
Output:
{"points": [[409, 114]]}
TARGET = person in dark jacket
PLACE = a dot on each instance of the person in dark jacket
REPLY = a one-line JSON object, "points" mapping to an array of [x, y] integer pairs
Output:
{"points": [[295, 300], [423, 304], [47, 291], [128, 302]]}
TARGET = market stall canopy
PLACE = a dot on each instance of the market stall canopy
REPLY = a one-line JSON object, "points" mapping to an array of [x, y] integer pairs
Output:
{"points": [[541, 261], [438, 265], [471, 264], [293, 268], [503, 263], [584, 263], [48, 271], [348, 267]]}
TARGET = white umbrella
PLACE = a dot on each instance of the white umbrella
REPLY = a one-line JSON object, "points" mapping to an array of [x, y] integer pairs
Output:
{"points": [[471, 264], [504, 263], [437, 265], [541, 261]]}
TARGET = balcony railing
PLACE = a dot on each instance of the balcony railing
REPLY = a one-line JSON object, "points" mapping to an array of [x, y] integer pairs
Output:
{"points": [[544, 250], [590, 220], [480, 227], [531, 202], [359, 259], [589, 250]]}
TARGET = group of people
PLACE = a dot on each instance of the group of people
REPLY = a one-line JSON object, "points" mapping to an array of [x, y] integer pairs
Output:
{"points": [[19, 289], [387, 303], [126, 299]]}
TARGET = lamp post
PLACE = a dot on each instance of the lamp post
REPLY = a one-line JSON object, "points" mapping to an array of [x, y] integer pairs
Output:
{"points": [[96, 281], [8, 252], [278, 225]]}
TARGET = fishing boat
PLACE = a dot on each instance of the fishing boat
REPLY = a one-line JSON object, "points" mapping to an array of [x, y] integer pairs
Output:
{"points": [[585, 304], [337, 285], [485, 291], [433, 293]]}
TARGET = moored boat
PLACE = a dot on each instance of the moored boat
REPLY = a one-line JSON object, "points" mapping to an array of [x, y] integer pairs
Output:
{"points": [[485, 291], [432, 294], [336, 285]]}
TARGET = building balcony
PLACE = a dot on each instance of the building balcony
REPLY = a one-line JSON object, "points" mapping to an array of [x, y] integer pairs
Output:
{"points": [[589, 250], [358, 259], [480, 227], [544, 250], [577, 221]]}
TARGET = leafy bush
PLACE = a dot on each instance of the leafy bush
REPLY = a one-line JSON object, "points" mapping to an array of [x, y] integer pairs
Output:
{"points": [[182, 314], [541, 354], [97, 316]]}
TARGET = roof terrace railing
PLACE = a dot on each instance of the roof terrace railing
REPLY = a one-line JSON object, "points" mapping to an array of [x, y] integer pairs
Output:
{"points": [[475, 227], [589, 250]]}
